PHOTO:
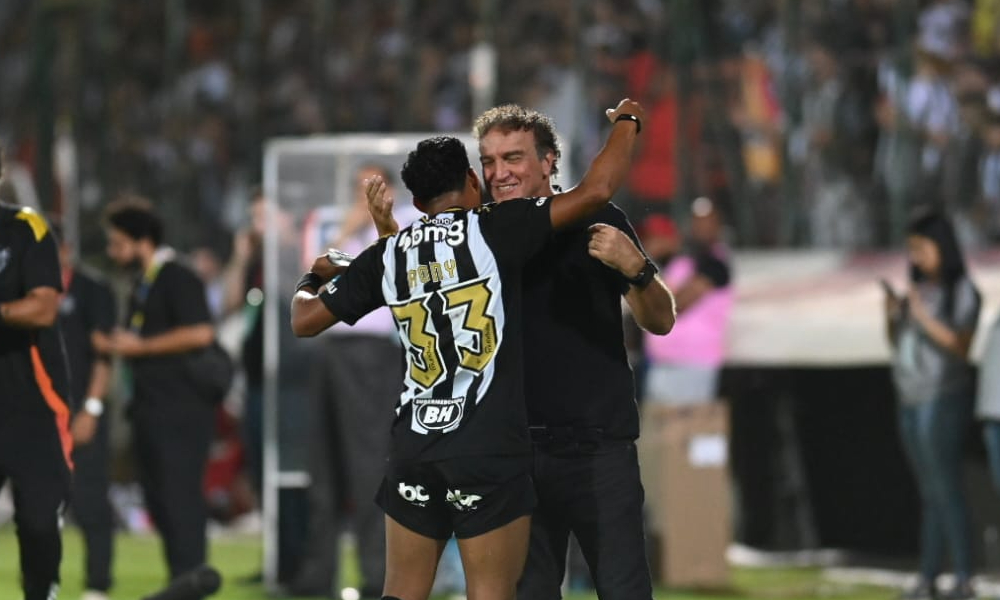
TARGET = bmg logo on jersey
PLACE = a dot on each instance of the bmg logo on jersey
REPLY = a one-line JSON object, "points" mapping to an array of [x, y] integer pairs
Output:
{"points": [[414, 494], [437, 230], [437, 414]]}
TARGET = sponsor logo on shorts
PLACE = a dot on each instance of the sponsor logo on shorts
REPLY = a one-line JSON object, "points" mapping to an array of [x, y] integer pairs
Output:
{"points": [[463, 502], [4, 258], [438, 414], [414, 494]]}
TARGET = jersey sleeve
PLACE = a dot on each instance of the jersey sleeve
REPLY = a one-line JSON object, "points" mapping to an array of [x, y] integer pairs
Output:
{"points": [[41, 256], [188, 305], [358, 290], [100, 308], [517, 229]]}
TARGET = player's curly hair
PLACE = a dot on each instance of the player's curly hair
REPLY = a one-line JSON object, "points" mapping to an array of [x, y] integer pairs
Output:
{"points": [[439, 165], [511, 117], [135, 217]]}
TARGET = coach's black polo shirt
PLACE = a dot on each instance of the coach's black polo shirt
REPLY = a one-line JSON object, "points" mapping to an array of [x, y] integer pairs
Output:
{"points": [[176, 298], [33, 373], [576, 371], [87, 306]]}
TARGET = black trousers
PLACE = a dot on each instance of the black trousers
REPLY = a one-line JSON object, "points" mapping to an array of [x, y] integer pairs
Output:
{"points": [[592, 490], [32, 459], [171, 451], [92, 509]]}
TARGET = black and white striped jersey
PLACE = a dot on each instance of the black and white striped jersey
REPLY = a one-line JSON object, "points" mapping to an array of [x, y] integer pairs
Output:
{"points": [[453, 283]]}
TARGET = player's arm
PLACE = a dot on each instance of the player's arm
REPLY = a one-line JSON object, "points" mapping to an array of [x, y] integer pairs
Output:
{"points": [[648, 297], [309, 315], [37, 309], [607, 171], [317, 306]]}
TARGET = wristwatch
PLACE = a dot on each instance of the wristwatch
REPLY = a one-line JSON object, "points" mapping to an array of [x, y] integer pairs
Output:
{"points": [[93, 406], [645, 275]]}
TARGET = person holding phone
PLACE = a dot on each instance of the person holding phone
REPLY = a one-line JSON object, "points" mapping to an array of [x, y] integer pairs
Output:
{"points": [[930, 329]]}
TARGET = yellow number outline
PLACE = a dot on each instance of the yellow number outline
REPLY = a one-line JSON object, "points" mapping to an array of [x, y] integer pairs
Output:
{"points": [[472, 299], [425, 368]]}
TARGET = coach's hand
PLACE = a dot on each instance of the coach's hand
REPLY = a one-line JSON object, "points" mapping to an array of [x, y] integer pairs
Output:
{"points": [[380, 205], [83, 428], [627, 107], [612, 247]]}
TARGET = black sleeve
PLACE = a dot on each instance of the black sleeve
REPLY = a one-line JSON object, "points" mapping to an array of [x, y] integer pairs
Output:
{"points": [[517, 229], [41, 257], [358, 290], [188, 305], [712, 267], [100, 308]]}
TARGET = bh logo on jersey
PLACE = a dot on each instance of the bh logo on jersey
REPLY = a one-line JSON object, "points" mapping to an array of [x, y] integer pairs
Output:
{"points": [[438, 414], [463, 502], [414, 494]]}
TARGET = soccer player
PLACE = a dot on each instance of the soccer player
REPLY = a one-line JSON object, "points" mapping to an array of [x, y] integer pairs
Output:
{"points": [[35, 441], [579, 387], [460, 457]]}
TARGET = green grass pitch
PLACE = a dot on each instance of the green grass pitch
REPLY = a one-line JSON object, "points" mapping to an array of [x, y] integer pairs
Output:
{"points": [[138, 571]]}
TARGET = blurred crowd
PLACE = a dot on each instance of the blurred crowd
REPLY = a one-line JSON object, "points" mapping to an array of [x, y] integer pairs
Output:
{"points": [[811, 123]]}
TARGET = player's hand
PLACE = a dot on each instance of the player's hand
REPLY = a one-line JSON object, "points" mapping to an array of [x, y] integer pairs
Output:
{"points": [[612, 247], [380, 205], [326, 269], [83, 427], [626, 107]]}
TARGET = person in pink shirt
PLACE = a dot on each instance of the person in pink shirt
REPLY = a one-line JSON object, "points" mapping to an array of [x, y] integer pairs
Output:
{"points": [[683, 367]]}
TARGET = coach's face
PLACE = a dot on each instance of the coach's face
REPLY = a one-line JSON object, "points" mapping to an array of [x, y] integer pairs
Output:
{"points": [[512, 167], [122, 249]]}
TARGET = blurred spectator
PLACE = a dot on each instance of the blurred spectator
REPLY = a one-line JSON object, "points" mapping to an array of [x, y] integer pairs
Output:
{"points": [[930, 330], [988, 401], [989, 177], [172, 419], [88, 307], [660, 239], [825, 145], [243, 280], [683, 367], [207, 265], [356, 379]]}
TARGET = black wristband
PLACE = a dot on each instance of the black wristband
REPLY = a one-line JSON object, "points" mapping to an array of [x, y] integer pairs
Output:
{"points": [[645, 276], [311, 280], [633, 118]]}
